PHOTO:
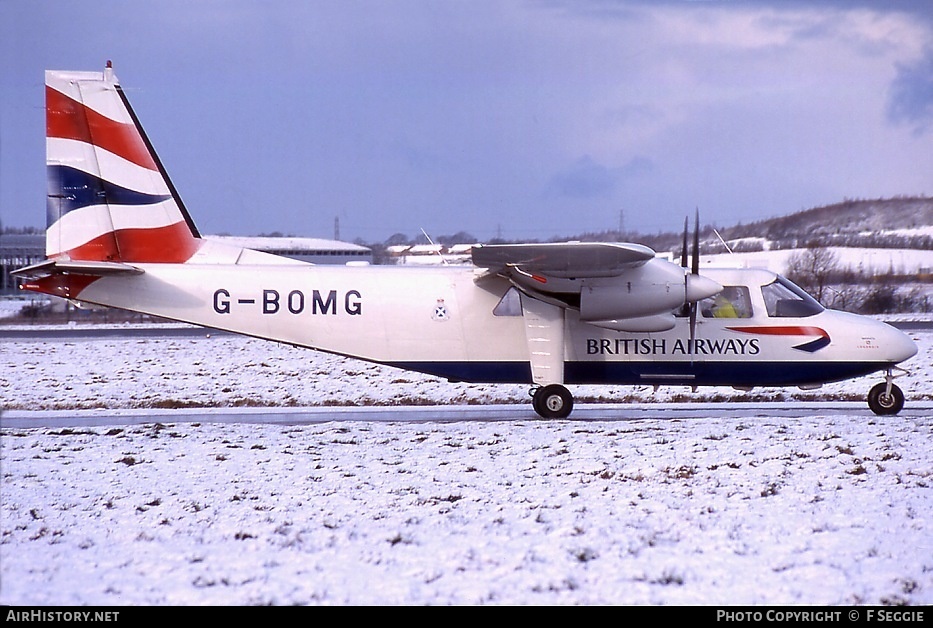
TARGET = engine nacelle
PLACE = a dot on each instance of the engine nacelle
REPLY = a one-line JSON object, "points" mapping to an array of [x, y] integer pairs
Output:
{"points": [[656, 323], [652, 289]]}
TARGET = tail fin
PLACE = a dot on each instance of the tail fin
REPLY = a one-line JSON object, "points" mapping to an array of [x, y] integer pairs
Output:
{"points": [[109, 197]]}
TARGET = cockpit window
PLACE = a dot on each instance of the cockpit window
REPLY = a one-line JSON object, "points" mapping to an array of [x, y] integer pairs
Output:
{"points": [[785, 300], [732, 302]]}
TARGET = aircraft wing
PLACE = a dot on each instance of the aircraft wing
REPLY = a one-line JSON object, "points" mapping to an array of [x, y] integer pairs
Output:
{"points": [[563, 259], [614, 285]]}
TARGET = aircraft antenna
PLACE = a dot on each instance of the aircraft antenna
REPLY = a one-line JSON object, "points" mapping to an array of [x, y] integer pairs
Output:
{"points": [[431, 242], [731, 252]]}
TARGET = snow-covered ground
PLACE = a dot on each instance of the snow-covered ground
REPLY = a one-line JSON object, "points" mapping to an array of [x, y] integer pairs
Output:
{"points": [[858, 260], [226, 370], [763, 510], [10, 308]]}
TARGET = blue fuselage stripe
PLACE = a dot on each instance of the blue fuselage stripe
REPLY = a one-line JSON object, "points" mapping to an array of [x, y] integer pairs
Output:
{"points": [[674, 373]]}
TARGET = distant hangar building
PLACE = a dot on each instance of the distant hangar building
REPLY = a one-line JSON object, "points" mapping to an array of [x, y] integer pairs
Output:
{"points": [[18, 250], [313, 250]]}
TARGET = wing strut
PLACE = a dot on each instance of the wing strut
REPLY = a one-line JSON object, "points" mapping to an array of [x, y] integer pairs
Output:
{"points": [[544, 332]]}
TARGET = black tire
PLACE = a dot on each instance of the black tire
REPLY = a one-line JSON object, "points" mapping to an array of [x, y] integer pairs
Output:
{"points": [[553, 402], [883, 403]]}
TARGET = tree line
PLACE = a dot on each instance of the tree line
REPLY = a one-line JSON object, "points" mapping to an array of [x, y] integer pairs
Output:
{"points": [[818, 271]]}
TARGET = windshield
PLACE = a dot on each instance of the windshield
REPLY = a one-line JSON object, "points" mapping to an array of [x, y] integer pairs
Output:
{"points": [[785, 300]]}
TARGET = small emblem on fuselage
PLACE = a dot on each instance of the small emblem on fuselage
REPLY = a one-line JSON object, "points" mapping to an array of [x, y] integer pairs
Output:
{"points": [[440, 311]]}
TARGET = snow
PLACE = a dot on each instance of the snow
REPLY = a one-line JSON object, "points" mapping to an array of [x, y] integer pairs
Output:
{"points": [[925, 230], [10, 308], [823, 509], [862, 260], [211, 369]]}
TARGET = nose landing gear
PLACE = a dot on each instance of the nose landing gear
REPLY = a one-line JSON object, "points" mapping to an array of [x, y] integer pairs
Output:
{"points": [[886, 398]]}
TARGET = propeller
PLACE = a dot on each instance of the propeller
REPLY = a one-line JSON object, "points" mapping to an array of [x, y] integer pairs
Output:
{"points": [[696, 286], [695, 269]]}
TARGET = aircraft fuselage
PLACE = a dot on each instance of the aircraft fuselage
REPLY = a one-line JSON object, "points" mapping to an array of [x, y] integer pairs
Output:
{"points": [[444, 322]]}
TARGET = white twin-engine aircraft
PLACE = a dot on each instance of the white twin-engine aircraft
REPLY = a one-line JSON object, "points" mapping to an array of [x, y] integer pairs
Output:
{"points": [[547, 315]]}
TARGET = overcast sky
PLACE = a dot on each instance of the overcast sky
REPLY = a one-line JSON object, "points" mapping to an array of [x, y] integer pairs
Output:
{"points": [[526, 118]]}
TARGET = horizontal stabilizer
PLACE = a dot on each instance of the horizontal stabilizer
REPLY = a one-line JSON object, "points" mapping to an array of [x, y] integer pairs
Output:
{"points": [[51, 267], [564, 259]]}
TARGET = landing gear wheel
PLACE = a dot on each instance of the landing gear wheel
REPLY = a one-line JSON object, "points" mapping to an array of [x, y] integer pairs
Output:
{"points": [[882, 402], [552, 402]]}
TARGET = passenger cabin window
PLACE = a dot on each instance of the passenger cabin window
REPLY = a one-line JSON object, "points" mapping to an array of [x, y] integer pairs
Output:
{"points": [[732, 302], [785, 300]]}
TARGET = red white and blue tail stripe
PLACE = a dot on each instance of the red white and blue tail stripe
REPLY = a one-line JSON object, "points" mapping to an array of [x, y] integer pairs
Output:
{"points": [[109, 197]]}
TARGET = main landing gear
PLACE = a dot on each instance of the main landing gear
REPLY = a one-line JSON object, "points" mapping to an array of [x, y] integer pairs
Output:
{"points": [[555, 401], [886, 398], [552, 401]]}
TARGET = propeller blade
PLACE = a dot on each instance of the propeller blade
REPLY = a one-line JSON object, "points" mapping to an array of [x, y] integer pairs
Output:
{"points": [[685, 311], [683, 251], [693, 325], [696, 244], [696, 286]]}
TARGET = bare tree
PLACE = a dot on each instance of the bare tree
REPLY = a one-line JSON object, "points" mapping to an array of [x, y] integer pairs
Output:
{"points": [[812, 269]]}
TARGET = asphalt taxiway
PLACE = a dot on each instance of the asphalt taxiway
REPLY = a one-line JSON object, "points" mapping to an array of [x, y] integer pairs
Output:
{"points": [[610, 412]]}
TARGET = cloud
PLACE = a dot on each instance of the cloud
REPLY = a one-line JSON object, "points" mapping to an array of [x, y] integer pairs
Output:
{"points": [[911, 94], [586, 178]]}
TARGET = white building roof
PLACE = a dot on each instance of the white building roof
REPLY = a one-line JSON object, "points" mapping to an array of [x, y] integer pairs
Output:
{"points": [[268, 243]]}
